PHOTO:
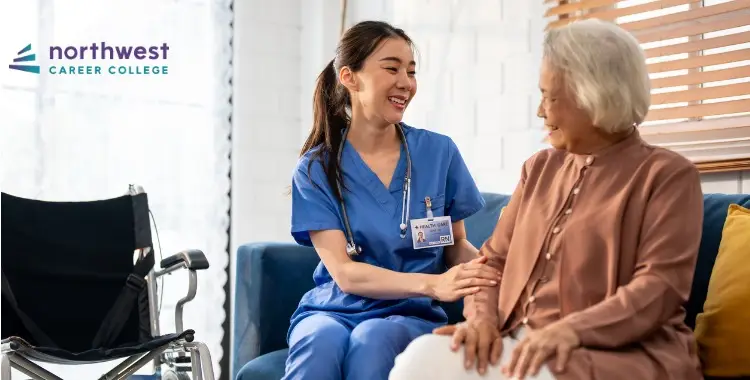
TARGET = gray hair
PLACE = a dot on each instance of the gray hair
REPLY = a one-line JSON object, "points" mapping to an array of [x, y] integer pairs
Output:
{"points": [[605, 68]]}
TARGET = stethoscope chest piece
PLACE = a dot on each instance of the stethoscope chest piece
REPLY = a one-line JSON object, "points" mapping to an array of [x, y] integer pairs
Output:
{"points": [[353, 249]]}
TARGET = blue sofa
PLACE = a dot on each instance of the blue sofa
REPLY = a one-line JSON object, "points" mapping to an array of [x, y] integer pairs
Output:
{"points": [[272, 277]]}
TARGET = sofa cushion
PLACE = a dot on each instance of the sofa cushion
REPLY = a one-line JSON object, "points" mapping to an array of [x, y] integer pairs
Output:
{"points": [[479, 226], [715, 208], [722, 330], [271, 279], [267, 367]]}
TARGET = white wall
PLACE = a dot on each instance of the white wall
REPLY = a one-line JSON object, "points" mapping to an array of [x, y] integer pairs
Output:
{"points": [[477, 83], [267, 82], [730, 183], [477, 77]]}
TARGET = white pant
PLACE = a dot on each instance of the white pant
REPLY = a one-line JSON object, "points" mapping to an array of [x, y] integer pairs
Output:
{"points": [[430, 357]]}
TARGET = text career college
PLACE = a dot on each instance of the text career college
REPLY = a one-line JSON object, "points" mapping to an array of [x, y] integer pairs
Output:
{"points": [[102, 51]]}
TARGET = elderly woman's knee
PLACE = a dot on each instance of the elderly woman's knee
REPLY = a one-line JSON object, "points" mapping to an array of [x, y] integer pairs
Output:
{"points": [[421, 354], [425, 348]]}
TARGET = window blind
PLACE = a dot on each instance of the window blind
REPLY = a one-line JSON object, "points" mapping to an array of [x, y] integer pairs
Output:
{"points": [[698, 58]]}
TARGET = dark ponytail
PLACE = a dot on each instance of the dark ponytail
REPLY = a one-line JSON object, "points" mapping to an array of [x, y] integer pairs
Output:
{"points": [[329, 121], [331, 100]]}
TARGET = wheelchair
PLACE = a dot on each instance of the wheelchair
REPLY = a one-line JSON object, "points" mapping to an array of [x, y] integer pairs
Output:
{"points": [[79, 287]]}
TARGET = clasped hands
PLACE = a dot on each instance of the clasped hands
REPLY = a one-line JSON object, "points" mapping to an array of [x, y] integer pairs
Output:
{"points": [[484, 344]]}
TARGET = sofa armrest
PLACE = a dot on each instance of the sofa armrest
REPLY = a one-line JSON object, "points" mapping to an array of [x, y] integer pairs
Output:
{"points": [[270, 279]]}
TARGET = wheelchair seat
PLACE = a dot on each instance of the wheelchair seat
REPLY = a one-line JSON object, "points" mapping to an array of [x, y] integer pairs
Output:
{"points": [[79, 287]]}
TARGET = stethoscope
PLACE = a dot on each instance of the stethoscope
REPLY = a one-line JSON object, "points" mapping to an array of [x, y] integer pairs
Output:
{"points": [[352, 249]]}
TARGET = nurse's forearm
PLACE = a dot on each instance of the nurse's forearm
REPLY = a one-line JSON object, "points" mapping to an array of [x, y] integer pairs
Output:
{"points": [[460, 252], [367, 280], [363, 279]]}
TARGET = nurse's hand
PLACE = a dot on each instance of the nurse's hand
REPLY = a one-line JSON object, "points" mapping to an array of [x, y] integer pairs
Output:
{"points": [[463, 280], [481, 339]]}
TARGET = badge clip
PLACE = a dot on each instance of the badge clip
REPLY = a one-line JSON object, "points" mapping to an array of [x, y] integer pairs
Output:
{"points": [[428, 204]]}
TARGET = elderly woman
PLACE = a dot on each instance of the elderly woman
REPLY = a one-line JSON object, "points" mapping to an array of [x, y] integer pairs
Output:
{"points": [[597, 245]]}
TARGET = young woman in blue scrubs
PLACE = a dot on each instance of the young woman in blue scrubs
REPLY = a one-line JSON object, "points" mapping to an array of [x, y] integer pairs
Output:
{"points": [[365, 186]]}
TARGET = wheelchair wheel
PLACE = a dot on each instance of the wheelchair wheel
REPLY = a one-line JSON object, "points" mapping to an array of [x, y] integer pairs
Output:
{"points": [[173, 375]]}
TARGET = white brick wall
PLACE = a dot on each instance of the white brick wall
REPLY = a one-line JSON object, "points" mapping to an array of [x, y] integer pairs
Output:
{"points": [[267, 116], [267, 80], [477, 77], [477, 83]]}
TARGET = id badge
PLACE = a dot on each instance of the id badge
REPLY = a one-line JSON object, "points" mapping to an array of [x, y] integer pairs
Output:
{"points": [[432, 232]]}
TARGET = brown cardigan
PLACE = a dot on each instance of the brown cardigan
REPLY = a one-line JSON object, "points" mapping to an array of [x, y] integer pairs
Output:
{"points": [[621, 259]]}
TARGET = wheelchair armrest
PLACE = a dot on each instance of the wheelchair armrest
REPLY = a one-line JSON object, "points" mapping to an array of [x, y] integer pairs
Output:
{"points": [[193, 259]]}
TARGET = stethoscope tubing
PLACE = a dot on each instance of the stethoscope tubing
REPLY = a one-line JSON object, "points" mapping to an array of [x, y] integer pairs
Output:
{"points": [[352, 248]]}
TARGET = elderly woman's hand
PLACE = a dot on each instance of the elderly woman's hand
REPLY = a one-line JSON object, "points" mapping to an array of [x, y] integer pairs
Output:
{"points": [[539, 345], [481, 340]]}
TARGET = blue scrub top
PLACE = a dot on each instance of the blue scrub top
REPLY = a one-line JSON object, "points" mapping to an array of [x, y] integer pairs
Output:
{"points": [[438, 171]]}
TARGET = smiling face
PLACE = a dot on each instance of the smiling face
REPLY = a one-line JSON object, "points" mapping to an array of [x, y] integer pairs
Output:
{"points": [[382, 90], [568, 126]]}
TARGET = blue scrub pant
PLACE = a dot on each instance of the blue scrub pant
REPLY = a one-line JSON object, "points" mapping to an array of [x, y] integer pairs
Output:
{"points": [[322, 347]]}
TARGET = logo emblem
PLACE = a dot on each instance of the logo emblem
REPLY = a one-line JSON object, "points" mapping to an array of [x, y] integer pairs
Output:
{"points": [[25, 58]]}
